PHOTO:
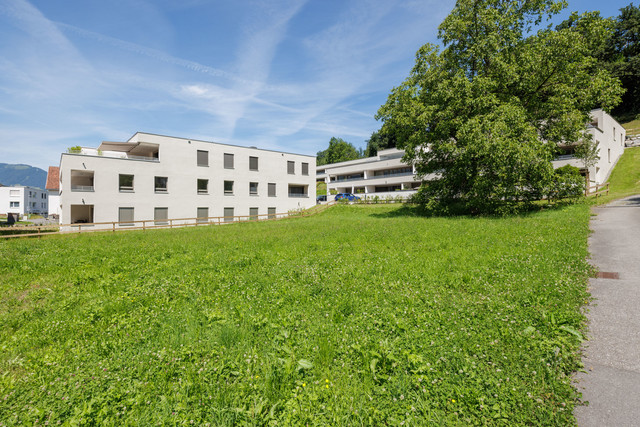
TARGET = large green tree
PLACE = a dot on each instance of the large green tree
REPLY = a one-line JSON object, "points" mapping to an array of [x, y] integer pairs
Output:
{"points": [[379, 141], [481, 118], [339, 150], [623, 59]]}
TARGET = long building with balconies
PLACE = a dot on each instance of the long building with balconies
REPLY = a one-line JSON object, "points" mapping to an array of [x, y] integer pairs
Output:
{"points": [[386, 175], [158, 178]]}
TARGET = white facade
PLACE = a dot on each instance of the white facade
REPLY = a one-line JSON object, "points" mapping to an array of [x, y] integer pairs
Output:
{"points": [[384, 175], [154, 177], [23, 200], [609, 136]]}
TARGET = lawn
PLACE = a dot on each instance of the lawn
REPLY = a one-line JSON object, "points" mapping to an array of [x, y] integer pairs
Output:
{"points": [[625, 177], [360, 315]]}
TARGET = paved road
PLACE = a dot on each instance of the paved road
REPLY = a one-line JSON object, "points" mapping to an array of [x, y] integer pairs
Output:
{"points": [[611, 383]]}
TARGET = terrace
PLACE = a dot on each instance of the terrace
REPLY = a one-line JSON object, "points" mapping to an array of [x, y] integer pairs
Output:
{"points": [[122, 150]]}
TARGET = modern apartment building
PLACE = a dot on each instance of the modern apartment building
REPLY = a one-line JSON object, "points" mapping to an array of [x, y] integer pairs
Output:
{"points": [[23, 200], [156, 177], [609, 136], [386, 175]]}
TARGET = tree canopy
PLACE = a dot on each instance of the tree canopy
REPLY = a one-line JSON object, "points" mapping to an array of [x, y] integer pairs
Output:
{"points": [[623, 59], [339, 151], [481, 119], [379, 141]]}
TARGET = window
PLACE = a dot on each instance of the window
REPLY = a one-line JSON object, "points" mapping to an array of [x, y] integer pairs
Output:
{"points": [[203, 215], [253, 163], [228, 214], [203, 158], [253, 188], [14, 204], [125, 216], [160, 183], [614, 133], [228, 161], [305, 169], [161, 216], [228, 187], [253, 214], [271, 190], [271, 212], [203, 186], [126, 182], [291, 167], [609, 154]]}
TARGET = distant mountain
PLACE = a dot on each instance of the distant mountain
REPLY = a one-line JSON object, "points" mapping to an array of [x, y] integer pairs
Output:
{"points": [[22, 175]]}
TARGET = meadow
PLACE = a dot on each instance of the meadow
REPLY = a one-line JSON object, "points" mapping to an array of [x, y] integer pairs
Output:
{"points": [[359, 315]]}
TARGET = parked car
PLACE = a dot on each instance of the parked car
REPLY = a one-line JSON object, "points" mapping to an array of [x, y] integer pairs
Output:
{"points": [[346, 196], [321, 198]]}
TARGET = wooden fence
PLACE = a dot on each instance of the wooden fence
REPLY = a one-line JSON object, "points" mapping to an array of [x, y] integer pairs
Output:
{"points": [[151, 224], [597, 190]]}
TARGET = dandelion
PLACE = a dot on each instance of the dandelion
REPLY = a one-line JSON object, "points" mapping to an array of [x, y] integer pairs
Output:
{"points": [[453, 401], [304, 384]]}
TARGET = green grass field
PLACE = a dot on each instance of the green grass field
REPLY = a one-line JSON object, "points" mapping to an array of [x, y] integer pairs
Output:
{"points": [[625, 177], [360, 315]]}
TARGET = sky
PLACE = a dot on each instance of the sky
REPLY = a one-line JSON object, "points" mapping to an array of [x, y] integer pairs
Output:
{"points": [[277, 74]]}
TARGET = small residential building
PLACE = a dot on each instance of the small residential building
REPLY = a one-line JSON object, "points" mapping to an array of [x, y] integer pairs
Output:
{"points": [[156, 177], [23, 200], [53, 188], [386, 175], [609, 135]]}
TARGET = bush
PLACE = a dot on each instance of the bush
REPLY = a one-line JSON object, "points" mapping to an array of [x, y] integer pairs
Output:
{"points": [[567, 183]]}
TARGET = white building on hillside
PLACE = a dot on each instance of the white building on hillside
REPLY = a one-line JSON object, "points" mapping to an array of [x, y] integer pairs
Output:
{"points": [[386, 175], [609, 136], [155, 177], [23, 200]]}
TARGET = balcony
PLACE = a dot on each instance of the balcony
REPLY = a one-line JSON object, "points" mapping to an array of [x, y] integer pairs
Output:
{"points": [[81, 180], [299, 191], [122, 150]]}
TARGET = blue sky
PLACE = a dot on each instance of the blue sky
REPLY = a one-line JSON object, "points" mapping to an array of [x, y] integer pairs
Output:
{"points": [[277, 74]]}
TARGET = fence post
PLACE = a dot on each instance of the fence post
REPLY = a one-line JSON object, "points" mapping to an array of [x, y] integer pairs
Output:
{"points": [[144, 223]]}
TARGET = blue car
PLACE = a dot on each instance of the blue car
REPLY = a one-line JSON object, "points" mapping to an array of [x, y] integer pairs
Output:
{"points": [[346, 196]]}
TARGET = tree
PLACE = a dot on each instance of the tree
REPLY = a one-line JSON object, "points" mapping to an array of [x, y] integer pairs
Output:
{"points": [[379, 141], [339, 151], [481, 119], [623, 58]]}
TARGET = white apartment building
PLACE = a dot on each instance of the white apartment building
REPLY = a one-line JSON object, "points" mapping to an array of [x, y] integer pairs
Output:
{"points": [[386, 175], [156, 177], [23, 200], [609, 136]]}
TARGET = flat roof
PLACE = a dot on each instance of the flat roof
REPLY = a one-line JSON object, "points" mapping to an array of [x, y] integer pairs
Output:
{"points": [[219, 143]]}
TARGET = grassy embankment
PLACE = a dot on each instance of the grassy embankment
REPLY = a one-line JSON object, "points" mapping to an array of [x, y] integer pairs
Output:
{"points": [[359, 315], [625, 177]]}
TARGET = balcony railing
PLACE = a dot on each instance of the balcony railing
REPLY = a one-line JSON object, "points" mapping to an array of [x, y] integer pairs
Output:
{"points": [[387, 175], [298, 195], [565, 157], [82, 188]]}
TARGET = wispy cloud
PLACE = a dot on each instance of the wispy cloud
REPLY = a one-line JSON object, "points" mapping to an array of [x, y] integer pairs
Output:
{"points": [[274, 77]]}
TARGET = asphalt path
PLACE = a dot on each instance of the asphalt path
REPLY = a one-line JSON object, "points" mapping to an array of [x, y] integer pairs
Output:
{"points": [[611, 380]]}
